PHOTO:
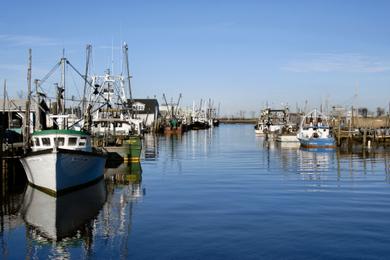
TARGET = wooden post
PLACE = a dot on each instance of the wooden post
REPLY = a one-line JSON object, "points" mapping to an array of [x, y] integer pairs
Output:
{"points": [[352, 119], [364, 137], [339, 131]]}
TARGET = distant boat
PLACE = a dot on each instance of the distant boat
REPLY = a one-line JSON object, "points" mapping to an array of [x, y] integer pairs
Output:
{"points": [[61, 160], [271, 121], [288, 134], [315, 132]]}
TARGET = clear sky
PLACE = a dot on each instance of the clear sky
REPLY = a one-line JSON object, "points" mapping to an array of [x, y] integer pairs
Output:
{"points": [[240, 53]]}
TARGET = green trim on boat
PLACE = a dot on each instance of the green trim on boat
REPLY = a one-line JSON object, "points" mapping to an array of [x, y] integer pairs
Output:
{"points": [[62, 131]]}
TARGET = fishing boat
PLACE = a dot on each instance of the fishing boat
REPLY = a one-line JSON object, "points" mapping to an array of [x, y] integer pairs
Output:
{"points": [[115, 125], [271, 121], [58, 157], [62, 160], [288, 134], [314, 131], [174, 120]]}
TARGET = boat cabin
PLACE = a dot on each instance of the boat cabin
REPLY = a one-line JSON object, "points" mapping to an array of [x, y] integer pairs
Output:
{"points": [[315, 132], [63, 139]]}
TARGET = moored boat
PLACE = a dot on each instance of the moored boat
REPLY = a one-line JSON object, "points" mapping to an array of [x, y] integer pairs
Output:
{"points": [[288, 134], [315, 131], [271, 121], [62, 160]]}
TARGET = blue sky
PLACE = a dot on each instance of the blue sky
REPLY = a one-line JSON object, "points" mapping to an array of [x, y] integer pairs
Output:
{"points": [[241, 54]]}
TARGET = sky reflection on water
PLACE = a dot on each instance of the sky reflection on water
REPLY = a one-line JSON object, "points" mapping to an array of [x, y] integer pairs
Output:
{"points": [[217, 194]]}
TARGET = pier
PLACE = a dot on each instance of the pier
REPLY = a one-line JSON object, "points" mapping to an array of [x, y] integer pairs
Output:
{"points": [[367, 132]]}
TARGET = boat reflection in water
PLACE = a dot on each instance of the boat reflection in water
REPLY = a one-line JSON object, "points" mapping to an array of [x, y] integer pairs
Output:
{"points": [[68, 226], [150, 147], [54, 218], [126, 175], [314, 162]]}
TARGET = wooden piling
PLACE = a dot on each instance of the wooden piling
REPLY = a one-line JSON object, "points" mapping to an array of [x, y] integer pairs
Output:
{"points": [[364, 138], [339, 132]]}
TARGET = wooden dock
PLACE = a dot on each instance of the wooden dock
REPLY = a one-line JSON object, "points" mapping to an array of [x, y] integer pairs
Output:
{"points": [[365, 131]]}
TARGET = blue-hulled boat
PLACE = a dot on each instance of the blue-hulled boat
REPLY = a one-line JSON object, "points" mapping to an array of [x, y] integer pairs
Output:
{"points": [[315, 132]]}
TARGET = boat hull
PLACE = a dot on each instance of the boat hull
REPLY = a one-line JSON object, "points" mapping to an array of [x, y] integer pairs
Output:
{"points": [[56, 171], [328, 143], [259, 132], [171, 131], [287, 138], [134, 155]]}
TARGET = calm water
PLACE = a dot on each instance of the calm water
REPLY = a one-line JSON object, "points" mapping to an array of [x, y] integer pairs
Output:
{"points": [[214, 194]]}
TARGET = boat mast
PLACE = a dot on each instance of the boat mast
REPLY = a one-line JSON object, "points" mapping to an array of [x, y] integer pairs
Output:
{"points": [[63, 61], [177, 104], [166, 103], [5, 94], [88, 56], [128, 76], [26, 135], [38, 111]]}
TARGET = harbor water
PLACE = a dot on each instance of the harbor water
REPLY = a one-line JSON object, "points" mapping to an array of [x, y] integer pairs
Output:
{"points": [[220, 193]]}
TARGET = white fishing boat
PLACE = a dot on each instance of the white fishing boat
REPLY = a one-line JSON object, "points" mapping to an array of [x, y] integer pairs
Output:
{"points": [[288, 134], [58, 158], [271, 121], [61, 160], [314, 131]]}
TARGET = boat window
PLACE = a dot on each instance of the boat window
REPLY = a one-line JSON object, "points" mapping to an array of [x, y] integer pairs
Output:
{"points": [[60, 141], [72, 141], [82, 141], [36, 142], [46, 141]]}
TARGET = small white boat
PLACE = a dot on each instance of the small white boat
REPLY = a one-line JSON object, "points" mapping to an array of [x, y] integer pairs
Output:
{"points": [[288, 134], [61, 160], [287, 138], [314, 131]]}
